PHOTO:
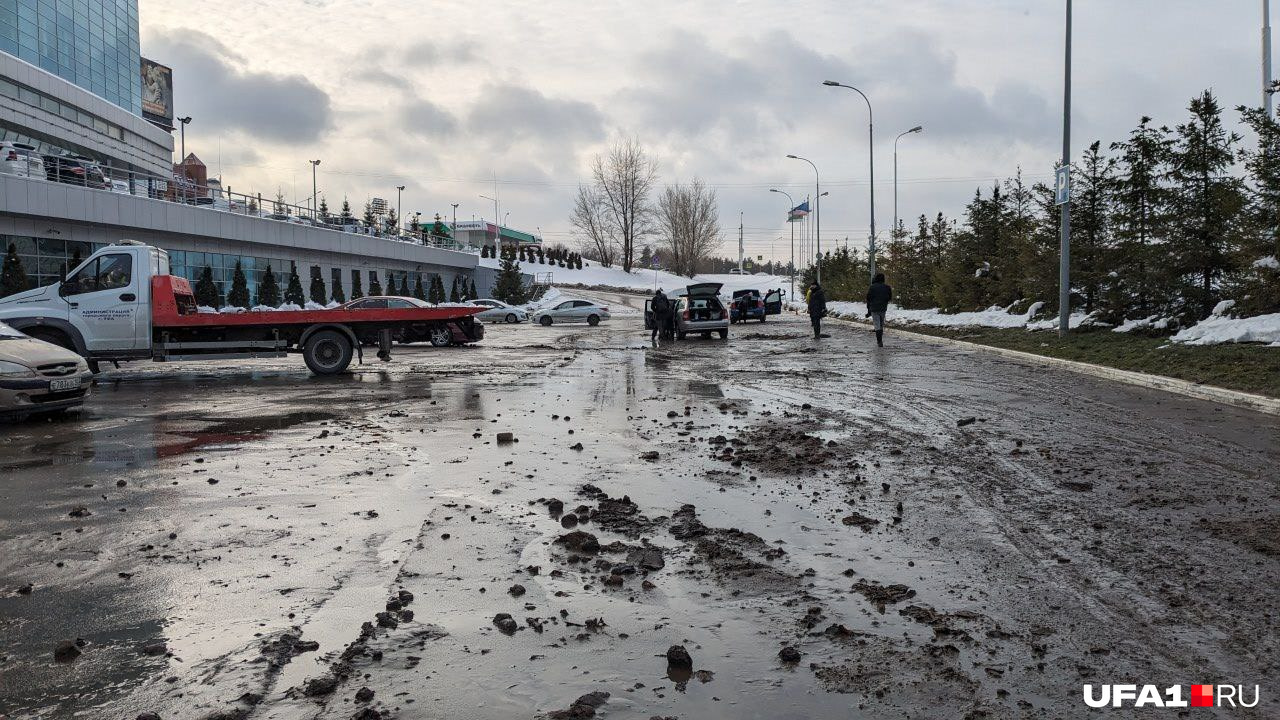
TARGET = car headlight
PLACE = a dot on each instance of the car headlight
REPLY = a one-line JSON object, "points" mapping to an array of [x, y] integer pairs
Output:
{"points": [[81, 365], [15, 370]]}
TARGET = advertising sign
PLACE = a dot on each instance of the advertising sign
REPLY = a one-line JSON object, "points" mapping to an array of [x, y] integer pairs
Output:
{"points": [[157, 94]]}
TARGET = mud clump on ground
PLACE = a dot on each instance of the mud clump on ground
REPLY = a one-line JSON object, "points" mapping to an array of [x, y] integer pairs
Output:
{"points": [[730, 553], [881, 595], [619, 515], [776, 450], [583, 707]]}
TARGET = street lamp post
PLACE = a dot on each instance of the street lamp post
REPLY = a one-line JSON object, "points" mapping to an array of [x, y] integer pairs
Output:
{"points": [[791, 204], [894, 231], [314, 207], [871, 153], [817, 211], [1064, 267], [182, 132], [399, 218], [453, 231], [497, 229]]}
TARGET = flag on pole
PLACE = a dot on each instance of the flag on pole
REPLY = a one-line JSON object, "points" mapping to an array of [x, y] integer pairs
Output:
{"points": [[798, 212]]}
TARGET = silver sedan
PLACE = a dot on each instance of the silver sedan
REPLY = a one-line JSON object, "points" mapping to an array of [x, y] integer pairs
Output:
{"points": [[572, 311], [498, 311]]}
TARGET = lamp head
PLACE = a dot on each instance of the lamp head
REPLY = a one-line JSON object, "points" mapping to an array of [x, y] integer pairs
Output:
{"points": [[831, 83], [794, 157], [916, 129]]}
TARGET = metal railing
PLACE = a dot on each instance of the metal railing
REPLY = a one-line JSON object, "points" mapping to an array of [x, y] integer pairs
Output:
{"points": [[76, 170]]}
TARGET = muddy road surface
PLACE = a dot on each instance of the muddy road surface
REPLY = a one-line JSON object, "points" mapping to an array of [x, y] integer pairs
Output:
{"points": [[569, 522]]}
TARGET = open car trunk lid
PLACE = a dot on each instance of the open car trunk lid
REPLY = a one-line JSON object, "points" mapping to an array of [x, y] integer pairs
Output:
{"points": [[704, 289]]}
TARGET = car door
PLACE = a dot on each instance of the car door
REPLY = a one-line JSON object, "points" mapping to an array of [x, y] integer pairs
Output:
{"points": [[563, 311], [104, 302], [582, 308]]}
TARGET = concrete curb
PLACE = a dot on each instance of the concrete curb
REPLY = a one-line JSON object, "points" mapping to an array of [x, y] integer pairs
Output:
{"points": [[1234, 398]]}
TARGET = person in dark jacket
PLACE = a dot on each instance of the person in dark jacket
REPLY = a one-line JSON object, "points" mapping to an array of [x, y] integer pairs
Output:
{"points": [[817, 308], [878, 297], [661, 307]]}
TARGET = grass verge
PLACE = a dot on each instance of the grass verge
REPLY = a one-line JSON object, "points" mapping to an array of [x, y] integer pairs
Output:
{"points": [[1248, 368]]}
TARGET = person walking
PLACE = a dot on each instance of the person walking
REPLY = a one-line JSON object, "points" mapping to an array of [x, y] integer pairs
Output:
{"points": [[660, 305], [878, 297], [817, 308]]}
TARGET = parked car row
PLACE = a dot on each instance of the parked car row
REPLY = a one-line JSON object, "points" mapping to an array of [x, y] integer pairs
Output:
{"points": [[26, 161]]}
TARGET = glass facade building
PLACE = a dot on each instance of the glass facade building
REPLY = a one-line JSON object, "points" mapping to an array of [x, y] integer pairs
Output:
{"points": [[90, 43]]}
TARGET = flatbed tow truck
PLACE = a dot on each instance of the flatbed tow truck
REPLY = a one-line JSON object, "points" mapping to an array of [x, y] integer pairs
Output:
{"points": [[122, 304]]}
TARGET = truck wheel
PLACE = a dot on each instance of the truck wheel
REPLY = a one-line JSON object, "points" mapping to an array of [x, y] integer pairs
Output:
{"points": [[593, 320], [545, 321], [440, 335], [512, 319], [724, 333], [328, 352]]}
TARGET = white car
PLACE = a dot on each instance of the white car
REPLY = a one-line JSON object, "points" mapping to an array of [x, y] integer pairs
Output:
{"points": [[572, 311], [22, 160], [498, 311], [38, 377]]}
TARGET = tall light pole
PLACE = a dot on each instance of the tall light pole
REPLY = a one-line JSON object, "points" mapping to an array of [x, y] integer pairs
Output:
{"points": [[453, 231], [399, 218], [497, 229], [871, 154], [1064, 266], [1266, 56], [314, 207], [894, 232], [182, 161], [791, 204], [817, 210]]}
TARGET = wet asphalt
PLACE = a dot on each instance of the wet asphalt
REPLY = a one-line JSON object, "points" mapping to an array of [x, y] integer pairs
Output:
{"points": [[938, 532]]}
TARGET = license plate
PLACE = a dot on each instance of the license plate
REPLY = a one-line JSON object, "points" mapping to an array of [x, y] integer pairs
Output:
{"points": [[64, 384]]}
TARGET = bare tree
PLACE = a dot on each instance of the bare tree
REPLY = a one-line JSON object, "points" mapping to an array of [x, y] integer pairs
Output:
{"points": [[595, 223], [624, 178], [689, 224]]}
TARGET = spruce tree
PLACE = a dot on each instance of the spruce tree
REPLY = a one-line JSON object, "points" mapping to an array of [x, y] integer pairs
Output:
{"points": [[1207, 204], [375, 286], [471, 291], [239, 295], [293, 291], [357, 291], [206, 291], [269, 290], [318, 295], [1093, 188], [336, 293], [419, 291], [324, 211], [345, 215], [13, 278], [370, 220], [1139, 212], [453, 291], [392, 224], [510, 285], [404, 285], [1257, 289]]}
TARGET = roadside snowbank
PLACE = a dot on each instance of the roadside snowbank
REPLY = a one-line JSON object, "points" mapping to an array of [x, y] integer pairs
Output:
{"points": [[1216, 330], [642, 280], [992, 317]]}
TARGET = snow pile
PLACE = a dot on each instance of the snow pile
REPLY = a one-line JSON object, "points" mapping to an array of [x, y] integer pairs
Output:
{"points": [[1269, 261], [1155, 322], [642, 279], [313, 305], [992, 317], [1218, 329], [206, 310]]}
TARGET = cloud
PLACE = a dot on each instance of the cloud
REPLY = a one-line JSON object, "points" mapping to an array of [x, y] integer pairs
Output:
{"points": [[214, 86], [425, 118], [506, 114]]}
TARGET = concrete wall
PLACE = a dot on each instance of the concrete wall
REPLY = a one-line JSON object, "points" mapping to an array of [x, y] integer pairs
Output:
{"points": [[143, 145], [39, 209]]}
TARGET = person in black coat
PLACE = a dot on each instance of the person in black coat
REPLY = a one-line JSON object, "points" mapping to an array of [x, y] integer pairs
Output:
{"points": [[817, 308], [878, 297], [661, 308]]}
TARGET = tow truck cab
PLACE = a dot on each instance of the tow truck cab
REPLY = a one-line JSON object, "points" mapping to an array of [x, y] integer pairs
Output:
{"points": [[101, 310]]}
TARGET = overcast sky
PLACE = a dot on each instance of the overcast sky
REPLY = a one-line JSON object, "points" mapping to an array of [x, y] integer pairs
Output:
{"points": [[441, 96]]}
